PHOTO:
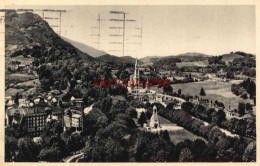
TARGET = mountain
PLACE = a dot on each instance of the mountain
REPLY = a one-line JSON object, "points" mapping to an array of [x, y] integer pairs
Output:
{"points": [[30, 35], [111, 58], [85, 48], [56, 61]]}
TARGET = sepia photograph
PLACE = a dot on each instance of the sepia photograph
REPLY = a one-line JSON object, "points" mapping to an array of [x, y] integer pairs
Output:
{"points": [[129, 83]]}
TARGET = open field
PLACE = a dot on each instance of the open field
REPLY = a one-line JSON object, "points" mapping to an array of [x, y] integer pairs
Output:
{"points": [[23, 60], [12, 91], [165, 121], [29, 83], [181, 135], [215, 90], [178, 135], [20, 77]]}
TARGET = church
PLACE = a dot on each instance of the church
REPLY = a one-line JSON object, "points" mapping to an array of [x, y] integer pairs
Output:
{"points": [[145, 94], [134, 85]]}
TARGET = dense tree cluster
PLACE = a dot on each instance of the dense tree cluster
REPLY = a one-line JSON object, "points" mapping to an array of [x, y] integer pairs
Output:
{"points": [[113, 135], [246, 87], [216, 60], [50, 146], [224, 147], [242, 127], [168, 63]]}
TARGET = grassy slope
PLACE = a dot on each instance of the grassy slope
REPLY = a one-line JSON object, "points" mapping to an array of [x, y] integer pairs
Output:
{"points": [[230, 57], [198, 63]]}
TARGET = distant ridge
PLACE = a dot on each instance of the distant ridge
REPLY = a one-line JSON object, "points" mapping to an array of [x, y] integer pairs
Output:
{"points": [[196, 54], [111, 58], [188, 55]]}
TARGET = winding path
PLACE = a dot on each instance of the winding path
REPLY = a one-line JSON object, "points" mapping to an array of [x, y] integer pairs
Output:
{"points": [[76, 156]]}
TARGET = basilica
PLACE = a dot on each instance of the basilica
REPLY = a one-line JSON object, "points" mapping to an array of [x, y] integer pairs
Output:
{"points": [[144, 93]]}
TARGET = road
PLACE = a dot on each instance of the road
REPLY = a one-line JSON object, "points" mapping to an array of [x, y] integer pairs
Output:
{"points": [[74, 158]]}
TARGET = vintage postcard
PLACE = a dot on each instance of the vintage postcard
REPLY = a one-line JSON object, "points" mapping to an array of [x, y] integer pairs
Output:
{"points": [[134, 82]]}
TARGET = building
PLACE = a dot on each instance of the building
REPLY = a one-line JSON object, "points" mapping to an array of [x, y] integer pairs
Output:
{"points": [[144, 94], [73, 115], [34, 122], [154, 121]]}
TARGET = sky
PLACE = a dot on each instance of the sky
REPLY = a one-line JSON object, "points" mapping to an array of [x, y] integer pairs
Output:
{"points": [[166, 30]]}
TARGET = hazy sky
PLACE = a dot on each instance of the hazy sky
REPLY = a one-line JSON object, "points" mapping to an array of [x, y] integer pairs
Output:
{"points": [[167, 30]]}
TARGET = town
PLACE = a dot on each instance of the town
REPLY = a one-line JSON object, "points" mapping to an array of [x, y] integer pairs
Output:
{"points": [[55, 111]]}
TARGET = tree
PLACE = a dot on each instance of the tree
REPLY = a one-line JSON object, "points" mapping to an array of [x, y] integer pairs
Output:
{"points": [[149, 113], [218, 117], [115, 151], [104, 105], [75, 142], [132, 113], [187, 106], [250, 152], [93, 121], [186, 155], [170, 106], [142, 119], [179, 92], [16, 99], [249, 107], [241, 109], [27, 150], [124, 75], [53, 127], [222, 115], [125, 120], [202, 92], [165, 135], [230, 74], [244, 95], [168, 89], [10, 148], [197, 147], [52, 154], [55, 148]]}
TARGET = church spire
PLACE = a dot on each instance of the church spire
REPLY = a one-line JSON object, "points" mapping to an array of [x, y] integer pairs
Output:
{"points": [[136, 62], [136, 73]]}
